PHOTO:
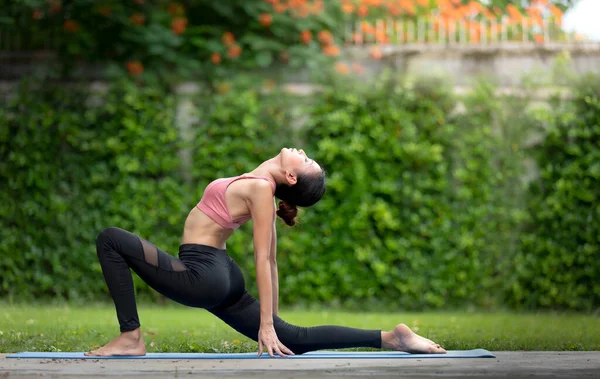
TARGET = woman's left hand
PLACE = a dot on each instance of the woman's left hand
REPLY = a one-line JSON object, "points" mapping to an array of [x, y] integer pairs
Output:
{"points": [[267, 338]]}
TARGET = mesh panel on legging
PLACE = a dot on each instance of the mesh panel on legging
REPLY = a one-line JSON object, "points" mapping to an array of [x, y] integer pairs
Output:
{"points": [[164, 261]]}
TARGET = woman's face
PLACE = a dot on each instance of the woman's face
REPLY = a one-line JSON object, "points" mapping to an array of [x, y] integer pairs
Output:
{"points": [[296, 161]]}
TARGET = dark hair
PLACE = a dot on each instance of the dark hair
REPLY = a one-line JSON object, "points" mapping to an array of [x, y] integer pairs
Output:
{"points": [[306, 192]]}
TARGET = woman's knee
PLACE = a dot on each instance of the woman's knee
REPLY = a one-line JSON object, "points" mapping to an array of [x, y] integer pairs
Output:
{"points": [[107, 236]]}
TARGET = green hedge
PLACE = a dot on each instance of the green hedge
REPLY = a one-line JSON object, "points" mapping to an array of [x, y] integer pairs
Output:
{"points": [[426, 205], [72, 168], [558, 263], [415, 212]]}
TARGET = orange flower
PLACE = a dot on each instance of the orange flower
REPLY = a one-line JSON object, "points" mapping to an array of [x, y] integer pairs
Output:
{"points": [[444, 4], [176, 9], [367, 28], [325, 37], [331, 51], [376, 53], [135, 68], [538, 38], [265, 19], [234, 51], [342, 68], [381, 37], [408, 6], [71, 26], [137, 19], [514, 13], [537, 18], [462, 12], [37, 14], [306, 36], [489, 15], [423, 3], [556, 11], [394, 9], [301, 12], [318, 6], [215, 58], [280, 8], [363, 10], [228, 38], [179, 24], [348, 8]]}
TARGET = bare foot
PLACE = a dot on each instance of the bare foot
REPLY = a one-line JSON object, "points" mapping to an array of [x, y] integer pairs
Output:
{"points": [[128, 343], [404, 339]]}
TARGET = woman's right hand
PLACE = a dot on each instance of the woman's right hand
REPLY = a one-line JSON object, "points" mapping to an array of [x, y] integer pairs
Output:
{"points": [[267, 339]]}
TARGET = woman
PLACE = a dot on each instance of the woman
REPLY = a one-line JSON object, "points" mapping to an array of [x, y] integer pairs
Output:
{"points": [[204, 276]]}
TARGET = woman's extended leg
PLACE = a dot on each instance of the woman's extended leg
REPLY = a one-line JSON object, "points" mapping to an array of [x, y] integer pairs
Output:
{"points": [[243, 314]]}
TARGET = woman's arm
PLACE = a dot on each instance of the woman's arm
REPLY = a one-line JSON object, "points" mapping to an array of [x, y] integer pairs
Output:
{"points": [[274, 274], [263, 216]]}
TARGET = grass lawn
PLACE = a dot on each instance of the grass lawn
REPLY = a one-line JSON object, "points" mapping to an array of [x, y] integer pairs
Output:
{"points": [[179, 329]]}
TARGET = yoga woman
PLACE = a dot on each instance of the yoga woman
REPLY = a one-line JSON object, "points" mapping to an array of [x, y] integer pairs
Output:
{"points": [[206, 277]]}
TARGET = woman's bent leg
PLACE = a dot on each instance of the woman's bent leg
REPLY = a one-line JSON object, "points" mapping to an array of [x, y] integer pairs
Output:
{"points": [[118, 252], [117, 274]]}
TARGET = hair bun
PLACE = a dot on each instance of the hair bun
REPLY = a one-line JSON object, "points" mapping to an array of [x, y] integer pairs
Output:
{"points": [[287, 212]]}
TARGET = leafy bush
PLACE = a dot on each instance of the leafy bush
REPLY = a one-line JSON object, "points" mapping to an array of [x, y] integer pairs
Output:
{"points": [[559, 261], [72, 168], [426, 207], [408, 214]]}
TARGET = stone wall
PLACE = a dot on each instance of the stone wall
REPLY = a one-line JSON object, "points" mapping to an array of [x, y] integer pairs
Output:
{"points": [[506, 63]]}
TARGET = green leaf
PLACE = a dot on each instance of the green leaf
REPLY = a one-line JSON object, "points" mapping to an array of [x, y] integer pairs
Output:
{"points": [[264, 59]]}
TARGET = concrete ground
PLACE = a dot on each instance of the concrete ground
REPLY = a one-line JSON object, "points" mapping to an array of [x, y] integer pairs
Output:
{"points": [[506, 365]]}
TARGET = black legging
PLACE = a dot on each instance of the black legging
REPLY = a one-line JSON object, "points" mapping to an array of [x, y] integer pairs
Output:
{"points": [[205, 277]]}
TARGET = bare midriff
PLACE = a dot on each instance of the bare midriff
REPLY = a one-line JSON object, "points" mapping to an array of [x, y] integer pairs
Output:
{"points": [[201, 229]]}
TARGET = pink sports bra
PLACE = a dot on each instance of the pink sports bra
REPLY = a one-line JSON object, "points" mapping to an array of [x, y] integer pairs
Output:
{"points": [[214, 205]]}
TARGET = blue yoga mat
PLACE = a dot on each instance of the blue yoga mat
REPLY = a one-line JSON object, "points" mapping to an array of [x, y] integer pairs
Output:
{"points": [[476, 353]]}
